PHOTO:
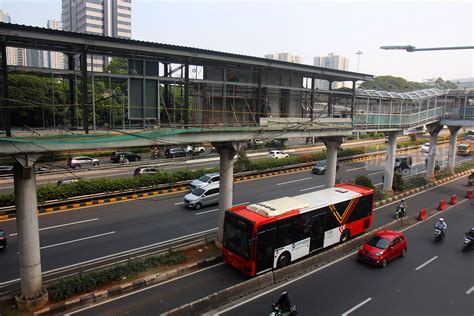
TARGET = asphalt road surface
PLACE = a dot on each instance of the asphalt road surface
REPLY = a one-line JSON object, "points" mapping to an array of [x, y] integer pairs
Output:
{"points": [[89, 233], [108, 169], [438, 288], [433, 279]]}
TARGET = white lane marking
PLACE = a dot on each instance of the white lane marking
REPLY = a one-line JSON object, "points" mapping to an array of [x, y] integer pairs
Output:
{"points": [[353, 169], [284, 284], [63, 225], [316, 187], [117, 254], [421, 192], [427, 262], [357, 306], [214, 210], [377, 184], [143, 289], [77, 240], [244, 203], [282, 183], [179, 203], [374, 173], [470, 290]]}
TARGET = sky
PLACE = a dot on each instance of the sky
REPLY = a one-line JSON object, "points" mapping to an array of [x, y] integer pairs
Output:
{"points": [[305, 28]]}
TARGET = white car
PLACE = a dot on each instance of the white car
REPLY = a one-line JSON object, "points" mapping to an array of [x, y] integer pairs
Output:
{"points": [[194, 149], [425, 148], [277, 154]]}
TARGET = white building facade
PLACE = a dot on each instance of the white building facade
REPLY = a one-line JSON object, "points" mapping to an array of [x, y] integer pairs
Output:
{"points": [[54, 60], [288, 57], [333, 62], [101, 17]]}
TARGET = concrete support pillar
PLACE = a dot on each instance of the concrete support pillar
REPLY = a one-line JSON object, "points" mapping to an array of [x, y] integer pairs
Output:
{"points": [[226, 183], [452, 146], [332, 145], [32, 295], [434, 130], [390, 162]]}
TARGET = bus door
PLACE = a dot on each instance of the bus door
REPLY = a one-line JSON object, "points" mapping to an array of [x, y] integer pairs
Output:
{"points": [[265, 248], [317, 231]]}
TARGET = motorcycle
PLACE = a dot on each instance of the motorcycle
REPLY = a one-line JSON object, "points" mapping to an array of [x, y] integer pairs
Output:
{"points": [[400, 212], [438, 235], [155, 155], [278, 311], [468, 243], [470, 180]]}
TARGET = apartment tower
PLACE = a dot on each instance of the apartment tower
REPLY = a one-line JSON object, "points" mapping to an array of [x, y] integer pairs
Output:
{"points": [[101, 17], [333, 62]]}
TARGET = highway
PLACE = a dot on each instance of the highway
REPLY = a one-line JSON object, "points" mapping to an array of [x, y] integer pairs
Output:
{"points": [[344, 287], [433, 279], [108, 169], [90, 233]]}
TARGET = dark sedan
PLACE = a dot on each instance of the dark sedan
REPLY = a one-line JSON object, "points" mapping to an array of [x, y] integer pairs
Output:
{"points": [[115, 157], [3, 239]]}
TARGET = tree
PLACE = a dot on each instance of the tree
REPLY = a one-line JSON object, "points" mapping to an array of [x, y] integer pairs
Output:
{"points": [[117, 65], [33, 103], [364, 181], [391, 83], [398, 183], [243, 162]]}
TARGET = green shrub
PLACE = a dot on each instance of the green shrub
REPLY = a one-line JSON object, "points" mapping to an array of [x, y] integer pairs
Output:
{"points": [[398, 183], [379, 195], [89, 281], [414, 183], [243, 162], [364, 181]]}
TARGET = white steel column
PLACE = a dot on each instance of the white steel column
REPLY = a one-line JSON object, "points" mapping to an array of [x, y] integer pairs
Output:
{"points": [[332, 145], [434, 130], [390, 162], [453, 134], [226, 183], [32, 294]]}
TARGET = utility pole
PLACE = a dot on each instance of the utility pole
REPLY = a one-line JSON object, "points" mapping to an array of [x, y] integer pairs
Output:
{"points": [[358, 59]]}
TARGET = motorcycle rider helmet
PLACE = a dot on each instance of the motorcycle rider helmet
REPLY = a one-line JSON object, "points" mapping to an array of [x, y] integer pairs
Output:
{"points": [[402, 200], [441, 219]]}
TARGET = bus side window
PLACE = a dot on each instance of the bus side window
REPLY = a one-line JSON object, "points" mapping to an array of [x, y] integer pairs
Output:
{"points": [[303, 226]]}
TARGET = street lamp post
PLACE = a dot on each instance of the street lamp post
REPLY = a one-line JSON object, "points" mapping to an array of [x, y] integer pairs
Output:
{"points": [[358, 58]]}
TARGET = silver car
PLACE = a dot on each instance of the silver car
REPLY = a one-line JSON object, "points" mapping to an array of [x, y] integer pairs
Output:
{"points": [[75, 162], [204, 180], [202, 196]]}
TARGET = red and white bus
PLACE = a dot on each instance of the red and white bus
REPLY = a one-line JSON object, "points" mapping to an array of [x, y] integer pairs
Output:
{"points": [[268, 235]]}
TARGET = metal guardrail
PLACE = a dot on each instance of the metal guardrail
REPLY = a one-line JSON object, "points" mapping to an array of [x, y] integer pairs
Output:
{"points": [[10, 288]]}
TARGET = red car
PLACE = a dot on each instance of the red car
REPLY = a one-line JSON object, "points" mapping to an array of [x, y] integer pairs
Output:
{"points": [[383, 247]]}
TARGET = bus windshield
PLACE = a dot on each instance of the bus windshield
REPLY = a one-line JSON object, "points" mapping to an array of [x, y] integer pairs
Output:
{"points": [[237, 235]]}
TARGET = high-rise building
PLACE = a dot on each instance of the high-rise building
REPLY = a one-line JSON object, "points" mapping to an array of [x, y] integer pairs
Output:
{"points": [[288, 57], [54, 60], [102, 17], [333, 62], [13, 53]]}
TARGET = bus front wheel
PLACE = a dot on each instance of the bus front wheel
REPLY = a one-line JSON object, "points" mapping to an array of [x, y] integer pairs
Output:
{"points": [[284, 260], [345, 235]]}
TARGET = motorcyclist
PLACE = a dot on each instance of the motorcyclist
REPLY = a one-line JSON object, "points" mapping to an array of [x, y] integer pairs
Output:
{"points": [[470, 234], [284, 303], [441, 225], [155, 153], [402, 206]]}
